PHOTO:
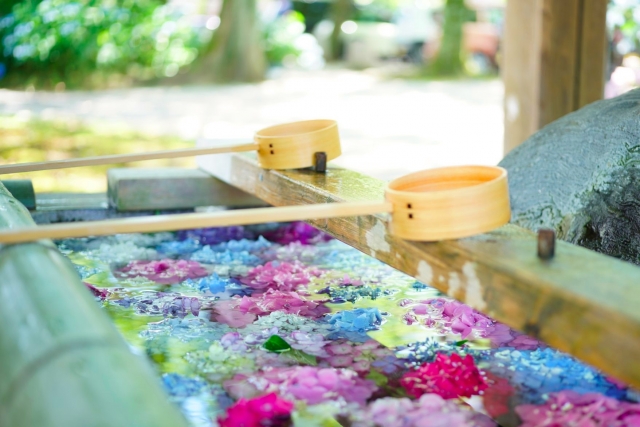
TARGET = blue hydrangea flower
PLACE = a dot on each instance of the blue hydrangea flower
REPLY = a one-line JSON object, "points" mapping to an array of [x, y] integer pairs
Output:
{"points": [[209, 256], [178, 248], [539, 372], [357, 320], [214, 283]]}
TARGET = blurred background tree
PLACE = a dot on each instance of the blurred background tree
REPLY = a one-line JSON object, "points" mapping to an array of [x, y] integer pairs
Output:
{"points": [[236, 51], [448, 61]]}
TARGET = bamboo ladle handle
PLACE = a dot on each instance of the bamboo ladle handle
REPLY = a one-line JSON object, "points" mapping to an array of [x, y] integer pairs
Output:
{"points": [[193, 220], [124, 158], [286, 146]]}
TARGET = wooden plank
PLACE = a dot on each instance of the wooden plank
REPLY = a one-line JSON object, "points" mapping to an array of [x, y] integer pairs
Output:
{"points": [[580, 302], [554, 61]]}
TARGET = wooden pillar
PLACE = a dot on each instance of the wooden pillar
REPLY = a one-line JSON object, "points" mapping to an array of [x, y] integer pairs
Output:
{"points": [[554, 62]]}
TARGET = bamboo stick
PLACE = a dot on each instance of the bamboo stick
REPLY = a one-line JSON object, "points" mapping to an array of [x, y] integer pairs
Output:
{"points": [[124, 158], [195, 220]]}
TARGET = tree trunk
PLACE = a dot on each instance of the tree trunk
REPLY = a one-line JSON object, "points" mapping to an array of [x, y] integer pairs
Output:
{"points": [[236, 52], [340, 12], [448, 61]]}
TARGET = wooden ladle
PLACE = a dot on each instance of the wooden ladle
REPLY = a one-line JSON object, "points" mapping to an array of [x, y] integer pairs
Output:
{"points": [[286, 146], [436, 204]]}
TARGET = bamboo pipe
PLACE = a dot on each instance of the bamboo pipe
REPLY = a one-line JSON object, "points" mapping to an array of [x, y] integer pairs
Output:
{"points": [[286, 146], [62, 362], [436, 204]]}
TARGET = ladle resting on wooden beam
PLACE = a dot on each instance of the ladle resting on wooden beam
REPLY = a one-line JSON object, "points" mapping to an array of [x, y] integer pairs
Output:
{"points": [[436, 204], [286, 146]]}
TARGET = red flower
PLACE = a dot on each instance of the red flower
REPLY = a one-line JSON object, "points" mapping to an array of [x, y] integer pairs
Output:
{"points": [[449, 377], [264, 411]]}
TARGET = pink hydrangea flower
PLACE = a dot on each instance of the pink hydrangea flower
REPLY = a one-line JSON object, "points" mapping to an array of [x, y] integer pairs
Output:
{"points": [[239, 312], [288, 302], [568, 408], [430, 410], [166, 271], [460, 319], [310, 384], [448, 376], [283, 276], [265, 411], [356, 356]]}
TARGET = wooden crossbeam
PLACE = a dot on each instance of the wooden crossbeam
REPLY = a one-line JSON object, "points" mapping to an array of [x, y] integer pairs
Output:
{"points": [[581, 302]]}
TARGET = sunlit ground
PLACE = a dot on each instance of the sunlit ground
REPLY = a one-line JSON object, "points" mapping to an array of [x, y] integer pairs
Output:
{"points": [[388, 127], [35, 140]]}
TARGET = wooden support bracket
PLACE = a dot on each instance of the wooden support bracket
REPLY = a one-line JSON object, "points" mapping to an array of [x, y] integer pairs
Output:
{"points": [[580, 302]]}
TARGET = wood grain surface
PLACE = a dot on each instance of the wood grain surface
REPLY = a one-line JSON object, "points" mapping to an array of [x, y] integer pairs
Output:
{"points": [[580, 301]]}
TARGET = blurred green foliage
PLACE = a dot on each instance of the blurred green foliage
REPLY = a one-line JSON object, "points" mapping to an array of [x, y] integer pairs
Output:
{"points": [[92, 42], [102, 43], [280, 36]]}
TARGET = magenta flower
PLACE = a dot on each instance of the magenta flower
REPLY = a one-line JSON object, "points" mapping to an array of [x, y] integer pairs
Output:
{"points": [[265, 411], [166, 271], [297, 232], [568, 408], [448, 376], [310, 384], [279, 275]]}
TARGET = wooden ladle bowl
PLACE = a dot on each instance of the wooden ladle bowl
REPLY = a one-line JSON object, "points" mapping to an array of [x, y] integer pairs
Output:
{"points": [[293, 145], [449, 203]]}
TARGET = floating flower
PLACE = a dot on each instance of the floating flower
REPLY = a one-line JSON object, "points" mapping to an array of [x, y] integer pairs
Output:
{"points": [[209, 256], [357, 320], [185, 330], [288, 302], [213, 284], [417, 353], [121, 253], [310, 384], [219, 363], [448, 376], [279, 275], [461, 319], [97, 292], [352, 293], [291, 322], [213, 236], [537, 373], [297, 232], [264, 411], [178, 248], [568, 408], [166, 271], [430, 410], [243, 245], [357, 356]]}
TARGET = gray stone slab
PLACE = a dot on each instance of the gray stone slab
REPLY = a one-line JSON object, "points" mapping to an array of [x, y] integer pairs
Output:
{"points": [[134, 189]]}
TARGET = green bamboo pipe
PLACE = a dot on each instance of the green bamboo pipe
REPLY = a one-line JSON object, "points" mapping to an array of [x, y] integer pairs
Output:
{"points": [[62, 362]]}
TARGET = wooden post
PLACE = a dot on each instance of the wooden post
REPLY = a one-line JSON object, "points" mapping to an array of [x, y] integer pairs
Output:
{"points": [[554, 62], [62, 362]]}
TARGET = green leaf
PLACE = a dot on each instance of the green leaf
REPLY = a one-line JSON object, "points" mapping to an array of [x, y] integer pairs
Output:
{"points": [[276, 344], [461, 343], [377, 378], [300, 357]]}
